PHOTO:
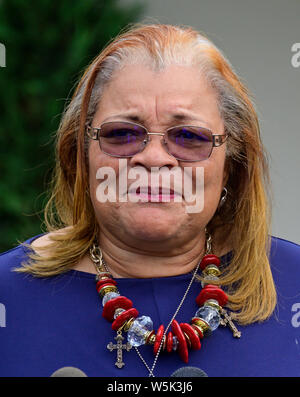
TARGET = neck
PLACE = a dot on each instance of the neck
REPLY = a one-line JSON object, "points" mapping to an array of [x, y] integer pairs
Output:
{"points": [[124, 261]]}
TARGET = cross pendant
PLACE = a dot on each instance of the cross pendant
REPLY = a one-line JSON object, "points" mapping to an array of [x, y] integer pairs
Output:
{"points": [[119, 346], [227, 320]]}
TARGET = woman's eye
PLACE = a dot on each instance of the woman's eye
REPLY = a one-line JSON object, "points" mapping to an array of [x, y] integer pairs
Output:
{"points": [[121, 133], [187, 135], [190, 136]]}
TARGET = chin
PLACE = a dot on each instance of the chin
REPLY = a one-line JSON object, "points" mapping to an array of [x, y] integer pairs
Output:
{"points": [[152, 225]]}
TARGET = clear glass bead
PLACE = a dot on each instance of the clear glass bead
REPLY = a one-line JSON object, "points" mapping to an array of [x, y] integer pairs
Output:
{"points": [[175, 343], [110, 295], [210, 315], [207, 279], [138, 329]]}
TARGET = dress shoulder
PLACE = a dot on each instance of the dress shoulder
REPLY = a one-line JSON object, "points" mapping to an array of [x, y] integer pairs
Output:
{"points": [[13, 258], [284, 253], [285, 265]]}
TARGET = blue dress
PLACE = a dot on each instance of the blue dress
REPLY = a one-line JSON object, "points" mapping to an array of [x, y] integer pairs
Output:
{"points": [[50, 323]]}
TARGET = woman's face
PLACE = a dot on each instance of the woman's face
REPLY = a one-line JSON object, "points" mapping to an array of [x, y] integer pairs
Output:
{"points": [[178, 95]]}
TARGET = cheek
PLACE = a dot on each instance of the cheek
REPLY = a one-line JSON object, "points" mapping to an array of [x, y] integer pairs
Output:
{"points": [[213, 180], [94, 165], [213, 176], [98, 161]]}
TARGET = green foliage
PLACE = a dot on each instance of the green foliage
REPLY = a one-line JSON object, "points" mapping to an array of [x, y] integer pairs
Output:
{"points": [[48, 45]]}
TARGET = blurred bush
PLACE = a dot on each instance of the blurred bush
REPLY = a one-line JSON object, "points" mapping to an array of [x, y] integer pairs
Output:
{"points": [[48, 45]]}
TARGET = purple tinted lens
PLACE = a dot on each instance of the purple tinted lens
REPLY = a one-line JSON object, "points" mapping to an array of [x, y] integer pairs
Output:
{"points": [[189, 143], [122, 139], [185, 136]]}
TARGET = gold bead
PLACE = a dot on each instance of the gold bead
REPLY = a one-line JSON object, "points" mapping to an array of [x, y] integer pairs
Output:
{"points": [[213, 303], [108, 288], [198, 330], [204, 327], [211, 270], [125, 327], [150, 337]]}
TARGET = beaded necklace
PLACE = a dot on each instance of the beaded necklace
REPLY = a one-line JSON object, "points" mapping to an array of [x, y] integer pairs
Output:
{"points": [[124, 317]]}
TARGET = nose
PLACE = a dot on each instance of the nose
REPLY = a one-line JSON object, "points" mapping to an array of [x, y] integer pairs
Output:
{"points": [[154, 154]]}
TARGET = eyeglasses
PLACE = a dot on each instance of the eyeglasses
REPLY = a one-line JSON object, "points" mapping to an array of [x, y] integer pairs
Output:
{"points": [[184, 142]]}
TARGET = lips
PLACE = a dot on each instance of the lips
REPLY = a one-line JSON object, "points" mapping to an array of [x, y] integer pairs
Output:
{"points": [[154, 190], [154, 194]]}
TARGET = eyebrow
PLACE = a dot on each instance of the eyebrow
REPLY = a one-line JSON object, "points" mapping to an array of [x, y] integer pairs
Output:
{"points": [[176, 117]]}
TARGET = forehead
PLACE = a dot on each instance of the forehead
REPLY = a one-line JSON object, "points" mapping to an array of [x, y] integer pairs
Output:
{"points": [[179, 92]]}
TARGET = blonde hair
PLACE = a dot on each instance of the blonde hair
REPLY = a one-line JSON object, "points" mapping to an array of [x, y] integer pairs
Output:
{"points": [[243, 220]]}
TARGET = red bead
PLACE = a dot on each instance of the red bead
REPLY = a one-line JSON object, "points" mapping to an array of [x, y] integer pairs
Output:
{"points": [[121, 302], [104, 285], [182, 346], [191, 333], [198, 331], [169, 342], [108, 281], [209, 260], [124, 316], [158, 337], [212, 292]]}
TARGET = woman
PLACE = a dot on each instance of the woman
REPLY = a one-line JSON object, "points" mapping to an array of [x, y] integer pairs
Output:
{"points": [[157, 98]]}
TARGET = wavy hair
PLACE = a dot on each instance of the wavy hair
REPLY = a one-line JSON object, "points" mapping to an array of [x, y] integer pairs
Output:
{"points": [[243, 221]]}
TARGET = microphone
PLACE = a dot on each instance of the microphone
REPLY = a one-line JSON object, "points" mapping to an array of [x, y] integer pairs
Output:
{"points": [[68, 372], [189, 372]]}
